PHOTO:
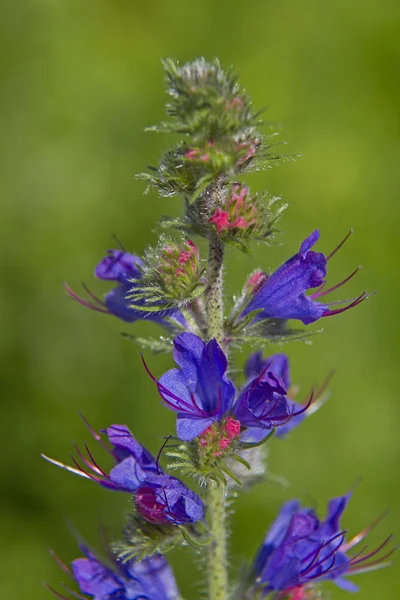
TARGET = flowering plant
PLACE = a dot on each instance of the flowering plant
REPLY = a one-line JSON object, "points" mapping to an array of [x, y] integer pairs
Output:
{"points": [[221, 427]]}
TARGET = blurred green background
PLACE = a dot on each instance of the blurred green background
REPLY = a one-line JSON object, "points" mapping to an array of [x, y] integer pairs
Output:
{"points": [[79, 82]]}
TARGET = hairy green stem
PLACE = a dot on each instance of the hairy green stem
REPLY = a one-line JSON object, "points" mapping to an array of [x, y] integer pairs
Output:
{"points": [[214, 299], [217, 560], [217, 571]]}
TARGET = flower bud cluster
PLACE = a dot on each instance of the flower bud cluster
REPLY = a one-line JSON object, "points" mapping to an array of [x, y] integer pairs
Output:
{"points": [[171, 276], [218, 439], [205, 101]]}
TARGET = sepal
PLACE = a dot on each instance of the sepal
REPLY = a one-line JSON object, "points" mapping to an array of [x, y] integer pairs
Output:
{"points": [[162, 345], [142, 539]]}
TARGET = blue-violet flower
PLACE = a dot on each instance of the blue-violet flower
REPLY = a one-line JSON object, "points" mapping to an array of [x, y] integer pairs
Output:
{"points": [[158, 497], [300, 550], [283, 294], [279, 365], [150, 579], [200, 392], [122, 268]]}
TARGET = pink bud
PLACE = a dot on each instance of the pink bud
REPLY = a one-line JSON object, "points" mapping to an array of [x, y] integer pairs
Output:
{"points": [[220, 220], [240, 223], [232, 428], [255, 281], [191, 154]]}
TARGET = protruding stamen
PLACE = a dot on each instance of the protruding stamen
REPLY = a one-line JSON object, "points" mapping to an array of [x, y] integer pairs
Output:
{"points": [[319, 293], [373, 553], [362, 534], [340, 245], [120, 244], [324, 571], [60, 563], [163, 390], [57, 594], [88, 475], [304, 407], [74, 594], [93, 296], [330, 313], [96, 435], [83, 301], [160, 452], [317, 552], [66, 467], [374, 565]]}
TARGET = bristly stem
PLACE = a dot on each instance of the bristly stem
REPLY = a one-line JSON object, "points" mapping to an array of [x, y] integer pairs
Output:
{"points": [[214, 296], [217, 571]]}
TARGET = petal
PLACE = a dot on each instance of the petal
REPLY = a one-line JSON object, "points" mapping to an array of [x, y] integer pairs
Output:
{"points": [[179, 398], [188, 350], [254, 435], [215, 392], [282, 296], [284, 430], [194, 508], [94, 578], [156, 577], [121, 437], [118, 305], [118, 264], [254, 365], [187, 429], [128, 475], [309, 242], [336, 507], [346, 585], [279, 365]]}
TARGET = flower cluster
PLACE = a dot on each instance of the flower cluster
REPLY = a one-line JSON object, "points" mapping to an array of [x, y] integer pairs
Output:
{"points": [[201, 394], [300, 550], [224, 415], [151, 579]]}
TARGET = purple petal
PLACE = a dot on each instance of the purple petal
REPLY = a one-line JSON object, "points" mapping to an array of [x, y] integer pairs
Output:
{"points": [[118, 265], [293, 422], [128, 475], [188, 350], [254, 435], [346, 585], [309, 243], [94, 578], [121, 437], [189, 428], [156, 576], [283, 295]]}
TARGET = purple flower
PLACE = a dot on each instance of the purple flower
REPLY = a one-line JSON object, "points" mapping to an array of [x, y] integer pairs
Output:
{"points": [[283, 295], [199, 390], [150, 579], [165, 499], [158, 497], [122, 267], [263, 404], [201, 394], [279, 365], [300, 550]]}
